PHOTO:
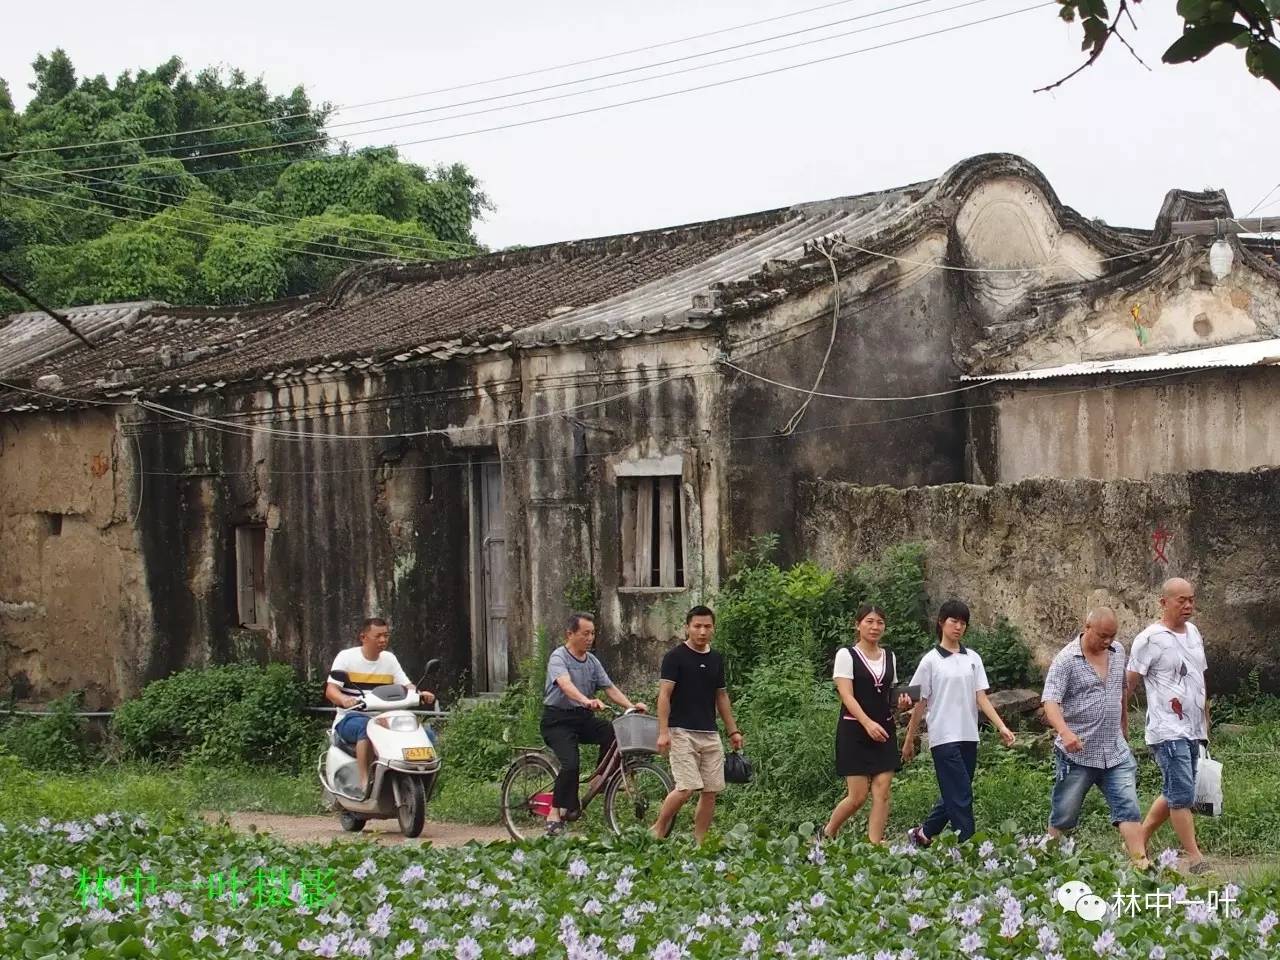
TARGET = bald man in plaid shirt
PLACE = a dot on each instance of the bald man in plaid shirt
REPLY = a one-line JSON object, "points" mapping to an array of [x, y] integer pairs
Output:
{"points": [[1084, 701]]}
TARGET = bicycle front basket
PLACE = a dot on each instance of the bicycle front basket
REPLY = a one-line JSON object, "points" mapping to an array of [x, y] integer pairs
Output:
{"points": [[637, 732]]}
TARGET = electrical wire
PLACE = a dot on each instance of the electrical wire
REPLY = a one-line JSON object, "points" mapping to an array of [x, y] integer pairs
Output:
{"points": [[1263, 200], [842, 396], [586, 111], [211, 202], [133, 158], [795, 418], [1035, 269], [197, 233], [434, 431], [379, 254], [463, 86]]}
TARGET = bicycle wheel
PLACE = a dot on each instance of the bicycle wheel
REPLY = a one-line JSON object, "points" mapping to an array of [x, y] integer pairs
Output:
{"points": [[530, 775], [634, 795]]}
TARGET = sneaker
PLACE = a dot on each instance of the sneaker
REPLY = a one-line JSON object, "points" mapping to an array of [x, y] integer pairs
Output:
{"points": [[1199, 868], [555, 828], [917, 838]]}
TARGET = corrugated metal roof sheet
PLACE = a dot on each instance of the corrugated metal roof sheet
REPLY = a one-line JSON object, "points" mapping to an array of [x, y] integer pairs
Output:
{"points": [[1253, 354]]}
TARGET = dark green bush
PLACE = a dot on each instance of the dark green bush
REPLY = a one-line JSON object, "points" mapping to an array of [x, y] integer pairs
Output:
{"points": [[1006, 657], [478, 741], [233, 714], [763, 608], [54, 742]]}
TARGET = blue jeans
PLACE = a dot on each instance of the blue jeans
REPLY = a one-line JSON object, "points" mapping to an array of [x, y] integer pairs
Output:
{"points": [[1119, 784], [353, 728], [1178, 760], [954, 764]]}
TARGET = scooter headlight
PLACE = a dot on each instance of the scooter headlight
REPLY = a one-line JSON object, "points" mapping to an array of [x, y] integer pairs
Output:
{"points": [[401, 722]]}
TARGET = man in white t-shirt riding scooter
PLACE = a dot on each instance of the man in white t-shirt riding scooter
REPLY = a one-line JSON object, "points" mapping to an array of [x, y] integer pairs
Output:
{"points": [[367, 666]]}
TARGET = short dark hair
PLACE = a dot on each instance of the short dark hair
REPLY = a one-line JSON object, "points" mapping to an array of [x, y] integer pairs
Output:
{"points": [[574, 620], [952, 609], [372, 622], [868, 608], [699, 611]]}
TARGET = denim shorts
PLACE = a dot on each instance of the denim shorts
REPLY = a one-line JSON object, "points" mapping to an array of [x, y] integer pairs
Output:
{"points": [[1119, 784], [1178, 760], [352, 728]]}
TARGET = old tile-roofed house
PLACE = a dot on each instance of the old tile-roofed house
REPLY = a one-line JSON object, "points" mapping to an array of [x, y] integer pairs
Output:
{"points": [[453, 444]]}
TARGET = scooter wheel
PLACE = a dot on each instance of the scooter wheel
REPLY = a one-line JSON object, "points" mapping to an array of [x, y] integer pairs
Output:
{"points": [[351, 823]]}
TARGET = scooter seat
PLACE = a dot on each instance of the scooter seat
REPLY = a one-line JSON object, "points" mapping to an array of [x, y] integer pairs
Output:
{"points": [[347, 748]]}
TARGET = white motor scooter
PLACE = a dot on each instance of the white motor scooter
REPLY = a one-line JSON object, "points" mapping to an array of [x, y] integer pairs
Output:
{"points": [[405, 764]]}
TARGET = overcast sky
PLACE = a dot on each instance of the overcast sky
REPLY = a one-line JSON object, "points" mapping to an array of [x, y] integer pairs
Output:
{"points": [[1112, 141]]}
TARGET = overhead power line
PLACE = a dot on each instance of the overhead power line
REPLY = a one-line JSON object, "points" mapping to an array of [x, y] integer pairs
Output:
{"points": [[132, 159], [20, 290], [653, 97], [408, 241], [427, 93], [197, 233]]}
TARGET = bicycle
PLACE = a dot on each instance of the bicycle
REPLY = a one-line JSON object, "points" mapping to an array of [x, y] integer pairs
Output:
{"points": [[633, 785]]}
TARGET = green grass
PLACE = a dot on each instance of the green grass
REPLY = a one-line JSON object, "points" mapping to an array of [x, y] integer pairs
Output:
{"points": [[1011, 792]]}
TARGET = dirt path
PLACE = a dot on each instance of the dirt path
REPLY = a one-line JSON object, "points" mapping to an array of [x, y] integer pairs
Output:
{"points": [[322, 829]]}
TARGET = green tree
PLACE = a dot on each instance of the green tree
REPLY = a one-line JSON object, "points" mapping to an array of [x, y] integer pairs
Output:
{"points": [[92, 169], [1247, 25]]}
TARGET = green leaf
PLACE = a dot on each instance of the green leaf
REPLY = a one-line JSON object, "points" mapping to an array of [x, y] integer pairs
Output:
{"points": [[1263, 60], [1253, 10], [1273, 7], [1193, 10], [1095, 34], [1194, 44]]}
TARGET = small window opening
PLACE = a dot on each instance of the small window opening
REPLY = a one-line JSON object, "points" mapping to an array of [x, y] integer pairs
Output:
{"points": [[251, 575], [653, 532], [53, 524]]}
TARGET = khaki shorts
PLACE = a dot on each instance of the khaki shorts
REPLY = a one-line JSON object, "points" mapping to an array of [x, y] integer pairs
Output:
{"points": [[697, 760]]}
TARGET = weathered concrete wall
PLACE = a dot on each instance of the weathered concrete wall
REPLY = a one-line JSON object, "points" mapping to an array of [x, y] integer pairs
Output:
{"points": [[569, 514], [354, 527], [1041, 552], [898, 330], [74, 611], [1078, 427]]}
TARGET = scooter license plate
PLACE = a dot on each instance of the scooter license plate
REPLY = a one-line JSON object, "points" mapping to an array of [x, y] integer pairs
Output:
{"points": [[419, 753]]}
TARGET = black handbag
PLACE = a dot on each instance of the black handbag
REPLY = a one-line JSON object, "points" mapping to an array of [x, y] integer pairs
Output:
{"points": [[737, 768]]}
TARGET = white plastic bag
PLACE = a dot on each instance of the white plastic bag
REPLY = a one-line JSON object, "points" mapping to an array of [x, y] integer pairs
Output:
{"points": [[1208, 798]]}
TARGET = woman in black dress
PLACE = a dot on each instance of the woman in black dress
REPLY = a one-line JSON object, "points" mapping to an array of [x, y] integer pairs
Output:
{"points": [[866, 745]]}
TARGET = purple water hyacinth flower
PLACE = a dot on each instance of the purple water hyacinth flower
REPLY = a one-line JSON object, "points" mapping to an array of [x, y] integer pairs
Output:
{"points": [[884, 955], [479, 922], [1105, 943], [626, 943], [817, 947], [412, 874], [917, 923], [1201, 913], [751, 942], [991, 864], [328, 946], [578, 868], [366, 867], [1268, 923], [970, 916], [522, 947], [592, 908], [1157, 953], [785, 949], [986, 849], [1217, 952], [818, 901], [517, 856], [970, 942], [623, 887], [666, 950], [360, 947], [1010, 927], [403, 949], [1167, 858], [907, 954], [467, 949], [1047, 939]]}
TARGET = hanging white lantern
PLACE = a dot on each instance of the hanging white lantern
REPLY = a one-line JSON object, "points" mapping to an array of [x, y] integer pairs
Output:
{"points": [[1221, 256]]}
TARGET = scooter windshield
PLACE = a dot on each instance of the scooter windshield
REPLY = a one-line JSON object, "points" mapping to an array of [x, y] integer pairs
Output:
{"points": [[390, 691]]}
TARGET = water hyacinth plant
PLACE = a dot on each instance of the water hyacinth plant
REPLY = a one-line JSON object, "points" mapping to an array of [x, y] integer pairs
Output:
{"points": [[119, 886]]}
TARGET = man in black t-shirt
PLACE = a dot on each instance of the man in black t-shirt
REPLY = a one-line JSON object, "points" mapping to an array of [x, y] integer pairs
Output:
{"points": [[691, 693]]}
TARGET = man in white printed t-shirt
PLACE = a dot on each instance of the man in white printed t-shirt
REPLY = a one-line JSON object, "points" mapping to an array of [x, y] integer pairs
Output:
{"points": [[1168, 657], [367, 666]]}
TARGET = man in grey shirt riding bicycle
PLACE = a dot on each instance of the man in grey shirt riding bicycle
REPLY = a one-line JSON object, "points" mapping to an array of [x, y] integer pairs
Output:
{"points": [[568, 707]]}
